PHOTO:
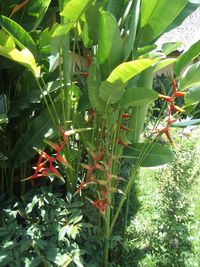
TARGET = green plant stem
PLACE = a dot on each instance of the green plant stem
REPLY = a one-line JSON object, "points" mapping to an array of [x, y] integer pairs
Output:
{"points": [[137, 121], [114, 152]]}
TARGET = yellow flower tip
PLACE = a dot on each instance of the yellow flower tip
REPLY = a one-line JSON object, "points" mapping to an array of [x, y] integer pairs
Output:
{"points": [[173, 145], [177, 108]]}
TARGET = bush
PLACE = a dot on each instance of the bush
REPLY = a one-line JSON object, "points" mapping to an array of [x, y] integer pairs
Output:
{"points": [[43, 229], [161, 230]]}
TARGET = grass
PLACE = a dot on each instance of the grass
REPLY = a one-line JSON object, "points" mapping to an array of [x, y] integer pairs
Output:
{"points": [[145, 249]]}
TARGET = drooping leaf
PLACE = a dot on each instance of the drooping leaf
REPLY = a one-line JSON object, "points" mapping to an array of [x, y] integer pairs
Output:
{"points": [[186, 58], [94, 82], [41, 128], [38, 10], [137, 97], [148, 155], [164, 63], [145, 49], [91, 25], [192, 96], [71, 12], [112, 89], [133, 25], [185, 123], [191, 77], [58, 36], [22, 38], [156, 17], [168, 48], [23, 57], [6, 40], [110, 48], [190, 7]]}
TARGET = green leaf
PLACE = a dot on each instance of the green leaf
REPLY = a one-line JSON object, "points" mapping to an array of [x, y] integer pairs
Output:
{"points": [[41, 128], [22, 38], [3, 118], [145, 49], [72, 11], [185, 12], [192, 96], [36, 261], [74, 8], [58, 36], [156, 17], [168, 48], [190, 77], [91, 25], [94, 82], [110, 48], [164, 63], [23, 57], [137, 97], [25, 244], [186, 123], [133, 25], [148, 155], [112, 89], [186, 58], [38, 10], [6, 40], [62, 233], [2, 157], [65, 260]]}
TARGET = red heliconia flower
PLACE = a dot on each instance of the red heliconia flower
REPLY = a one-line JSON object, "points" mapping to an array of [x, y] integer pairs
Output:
{"points": [[165, 131], [121, 142], [85, 74], [101, 205], [123, 128], [46, 167], [125, 115], [166, 98], [170, 99], [179, 93], [176, 108], [89, 59], [91, 117], [174, 84]]}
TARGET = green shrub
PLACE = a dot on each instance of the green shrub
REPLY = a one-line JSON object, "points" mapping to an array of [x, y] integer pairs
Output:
{"points": [[160, 235], [43, 229]]}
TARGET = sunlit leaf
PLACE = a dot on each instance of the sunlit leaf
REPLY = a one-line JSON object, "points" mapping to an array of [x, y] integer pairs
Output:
{"points": [[148, 155], [156, 17], [185, 123], [186, 58], [23, 57], [192, 96], [110, 45], [94, 82], [112, 89], [190, 77], [72, 11], [164, 63], [22, 38], [137, 97]]}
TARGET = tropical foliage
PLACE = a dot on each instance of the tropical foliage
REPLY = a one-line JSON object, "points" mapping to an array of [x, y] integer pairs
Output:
{"points": [[76, 85]]}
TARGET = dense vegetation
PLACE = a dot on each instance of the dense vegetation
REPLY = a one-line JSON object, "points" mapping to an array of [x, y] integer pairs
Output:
{"points": [[79, 106]]}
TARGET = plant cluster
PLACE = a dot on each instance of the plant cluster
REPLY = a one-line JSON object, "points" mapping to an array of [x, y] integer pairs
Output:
{"points": [[79, 93], [160, 234], [45, 229]]}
